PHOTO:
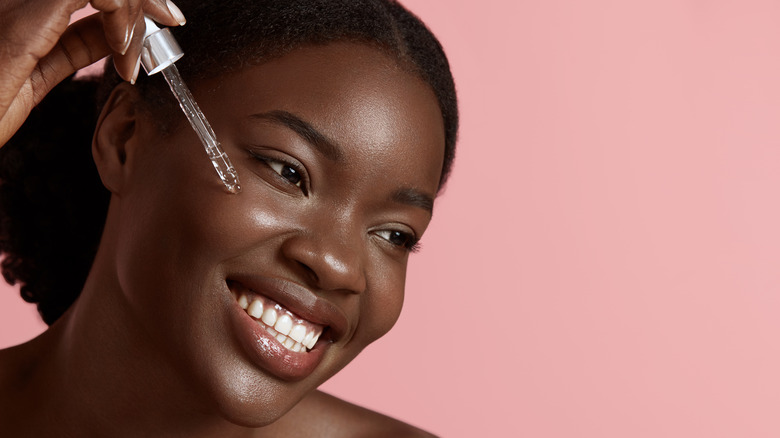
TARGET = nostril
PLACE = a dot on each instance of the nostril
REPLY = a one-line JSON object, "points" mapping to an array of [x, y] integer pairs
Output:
{"points": [[309, 272], [327, 261]]}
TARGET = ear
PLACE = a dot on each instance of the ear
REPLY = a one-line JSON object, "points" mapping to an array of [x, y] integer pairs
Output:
{"points": [[114, 134]]}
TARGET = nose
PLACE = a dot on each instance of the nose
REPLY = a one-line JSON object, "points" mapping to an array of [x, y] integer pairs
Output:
{"points": [[332, 259]]}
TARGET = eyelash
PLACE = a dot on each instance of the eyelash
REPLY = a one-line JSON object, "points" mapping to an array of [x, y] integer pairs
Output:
{"points": [[273, 163], [410, 244]]}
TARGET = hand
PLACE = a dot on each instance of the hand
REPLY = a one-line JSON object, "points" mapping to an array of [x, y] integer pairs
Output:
{"points": [[38, 48]]}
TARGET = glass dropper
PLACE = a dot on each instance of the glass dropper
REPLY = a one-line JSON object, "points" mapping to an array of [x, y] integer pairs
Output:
{"points": [[159, 53]]}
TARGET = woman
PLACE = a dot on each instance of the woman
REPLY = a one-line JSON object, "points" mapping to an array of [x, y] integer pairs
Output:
{"points": [[340, 118]]}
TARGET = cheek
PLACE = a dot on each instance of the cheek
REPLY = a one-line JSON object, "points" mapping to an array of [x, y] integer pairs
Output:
{"points": [[247, 222], [382, 302]]}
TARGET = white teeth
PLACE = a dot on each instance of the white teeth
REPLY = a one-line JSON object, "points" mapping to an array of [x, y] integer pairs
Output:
{"points": [[307, 339], [298, 333], [313, 340], [269, 317], [255, 309], [280, 324], [284, 324], [243, 301]]}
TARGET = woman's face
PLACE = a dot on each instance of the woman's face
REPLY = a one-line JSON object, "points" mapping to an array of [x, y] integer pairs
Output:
{"points": [[339, 152]]}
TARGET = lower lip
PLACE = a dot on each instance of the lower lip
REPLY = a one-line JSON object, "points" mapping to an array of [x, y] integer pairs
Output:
{"points": [[266, 352]]}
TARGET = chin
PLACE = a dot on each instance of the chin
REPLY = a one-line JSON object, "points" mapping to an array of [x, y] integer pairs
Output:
{"points": [[246, 396]]}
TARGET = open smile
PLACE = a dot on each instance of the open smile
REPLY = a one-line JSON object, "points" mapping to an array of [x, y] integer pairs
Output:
{"points": [[283, 327], [291, 331]]}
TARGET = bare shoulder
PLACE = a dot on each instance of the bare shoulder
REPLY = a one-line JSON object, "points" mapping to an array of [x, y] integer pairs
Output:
{"points": [[323, 415]]}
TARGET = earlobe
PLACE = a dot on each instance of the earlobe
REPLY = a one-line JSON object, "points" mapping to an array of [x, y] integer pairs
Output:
{"points": [[114, 133]]}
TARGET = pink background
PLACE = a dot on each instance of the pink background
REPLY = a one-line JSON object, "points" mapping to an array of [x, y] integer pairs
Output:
{"points": [[603, 263]]}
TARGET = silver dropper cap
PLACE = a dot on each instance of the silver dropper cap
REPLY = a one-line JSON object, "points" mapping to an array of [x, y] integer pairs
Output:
{"points": [[159, 49]]}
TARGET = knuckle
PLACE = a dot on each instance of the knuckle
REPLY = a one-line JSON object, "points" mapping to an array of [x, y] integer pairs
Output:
{"points": [[107, 5]]}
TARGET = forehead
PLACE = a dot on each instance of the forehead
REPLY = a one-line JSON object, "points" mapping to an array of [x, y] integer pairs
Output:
{"points": [[356, 95]]}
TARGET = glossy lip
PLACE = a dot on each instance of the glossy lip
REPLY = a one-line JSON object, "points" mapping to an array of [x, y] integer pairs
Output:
{"points": [[263, 349]]}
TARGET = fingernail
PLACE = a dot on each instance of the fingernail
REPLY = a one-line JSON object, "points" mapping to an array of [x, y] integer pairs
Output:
{"points": [[126, 42], [176, 13], [136, 71], [128, 38]]}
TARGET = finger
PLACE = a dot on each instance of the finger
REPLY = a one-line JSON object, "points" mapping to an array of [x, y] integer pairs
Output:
{"points": [[82, 44], [118, 29], [164, 12], [124, 61], [27, 36], [128, 65], [116, 23]]}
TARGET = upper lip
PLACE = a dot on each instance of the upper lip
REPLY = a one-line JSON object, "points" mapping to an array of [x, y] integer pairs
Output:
{"points": [[297, 299]]}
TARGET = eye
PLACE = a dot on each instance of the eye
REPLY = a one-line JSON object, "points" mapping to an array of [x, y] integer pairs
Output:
{"points": [[286, 171], [400, 239], [292, 173]]}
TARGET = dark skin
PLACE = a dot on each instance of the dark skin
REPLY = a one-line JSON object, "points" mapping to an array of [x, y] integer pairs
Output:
{"points": [[156, 321], [43, 49]]}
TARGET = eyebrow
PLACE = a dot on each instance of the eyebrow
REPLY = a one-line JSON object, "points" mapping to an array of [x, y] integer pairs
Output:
{"points": [[305, 130], [331, 151], [413, 197]]}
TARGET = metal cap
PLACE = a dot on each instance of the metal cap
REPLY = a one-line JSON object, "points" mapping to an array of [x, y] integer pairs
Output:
{"points": [[159, 49]]}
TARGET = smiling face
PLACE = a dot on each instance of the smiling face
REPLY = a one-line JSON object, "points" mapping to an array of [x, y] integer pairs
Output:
{"points": [[339, 152]]}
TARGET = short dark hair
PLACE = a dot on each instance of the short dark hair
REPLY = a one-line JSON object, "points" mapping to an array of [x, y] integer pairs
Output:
{"points": [[52, 203]]}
